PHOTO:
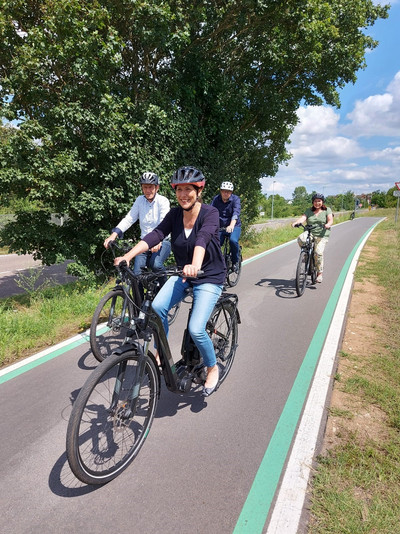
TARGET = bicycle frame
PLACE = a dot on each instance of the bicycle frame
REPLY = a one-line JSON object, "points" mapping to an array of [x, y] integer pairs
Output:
{"points": [[115, 408], [232, 275], [152, 326], [307, 267]]}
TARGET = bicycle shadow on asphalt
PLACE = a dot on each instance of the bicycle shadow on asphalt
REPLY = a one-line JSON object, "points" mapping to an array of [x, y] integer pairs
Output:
{"points": [[62, 481], [169, 404], [87, 362], [284, 289]]}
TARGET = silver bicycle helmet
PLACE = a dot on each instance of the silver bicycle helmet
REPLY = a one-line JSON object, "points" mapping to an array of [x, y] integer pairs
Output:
{"points": [[319, 196], [149, 178], [227, 186], [188, 175]]}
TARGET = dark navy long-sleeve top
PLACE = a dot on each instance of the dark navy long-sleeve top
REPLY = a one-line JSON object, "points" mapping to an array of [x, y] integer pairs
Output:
{"points": [[227, 210], [205, 233]]}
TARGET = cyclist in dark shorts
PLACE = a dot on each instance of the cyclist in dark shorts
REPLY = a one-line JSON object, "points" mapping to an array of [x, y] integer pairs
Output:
{"points": [[229, 208]]}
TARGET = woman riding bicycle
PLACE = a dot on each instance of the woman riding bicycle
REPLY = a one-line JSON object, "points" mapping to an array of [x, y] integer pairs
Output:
{"points": [[229, 207], [321, 218], [194, 229]]}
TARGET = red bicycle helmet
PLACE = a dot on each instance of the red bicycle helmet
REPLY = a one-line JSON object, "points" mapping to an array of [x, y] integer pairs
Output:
{"points": [[188, 175]]}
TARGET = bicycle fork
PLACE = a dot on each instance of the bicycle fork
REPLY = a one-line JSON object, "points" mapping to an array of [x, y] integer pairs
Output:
{"points": [[128, 408]]}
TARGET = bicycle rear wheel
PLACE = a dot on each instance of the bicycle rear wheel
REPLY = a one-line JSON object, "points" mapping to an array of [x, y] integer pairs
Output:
{"points": [[173, 312], [301, 273], [103, 436], [232, 276], [223, 331], [110, 323]]}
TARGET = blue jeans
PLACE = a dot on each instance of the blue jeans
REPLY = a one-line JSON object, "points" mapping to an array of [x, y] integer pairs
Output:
{"points": [[233, 241], [204, 298], [153, 260]]}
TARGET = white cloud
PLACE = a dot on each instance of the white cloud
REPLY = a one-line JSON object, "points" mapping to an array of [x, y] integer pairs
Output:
{"points": [[316, 121], [361, 155], [377, 114]]}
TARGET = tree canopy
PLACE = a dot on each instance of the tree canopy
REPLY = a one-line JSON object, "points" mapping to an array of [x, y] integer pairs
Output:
{"points": [[103, 91]]}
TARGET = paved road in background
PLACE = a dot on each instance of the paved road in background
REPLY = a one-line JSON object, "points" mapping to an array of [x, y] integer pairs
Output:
{"points": [[13, 265], [198, 468]]}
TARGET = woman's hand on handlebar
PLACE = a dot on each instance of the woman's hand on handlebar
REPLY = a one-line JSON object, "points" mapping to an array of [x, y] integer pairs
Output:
{"points": [[189, 271]]}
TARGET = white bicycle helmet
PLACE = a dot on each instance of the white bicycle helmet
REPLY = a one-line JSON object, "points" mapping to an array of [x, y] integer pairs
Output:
{"points": [[149, 178], [227, 186]]}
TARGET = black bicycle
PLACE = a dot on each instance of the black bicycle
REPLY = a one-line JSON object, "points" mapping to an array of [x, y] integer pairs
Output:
{"points": [[306, 264], [233, 272], [112, 319], [114, 410]]}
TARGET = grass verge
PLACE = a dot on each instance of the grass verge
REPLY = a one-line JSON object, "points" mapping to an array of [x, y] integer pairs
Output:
{"points": [[30, 323], [357, 480]]}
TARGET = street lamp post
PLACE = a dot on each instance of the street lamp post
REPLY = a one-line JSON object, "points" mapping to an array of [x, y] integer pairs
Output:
{"points": [[272, 208]]}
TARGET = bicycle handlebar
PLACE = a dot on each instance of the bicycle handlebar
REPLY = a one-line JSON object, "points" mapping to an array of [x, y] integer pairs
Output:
{"points": [[307, 227], [150, 276]]}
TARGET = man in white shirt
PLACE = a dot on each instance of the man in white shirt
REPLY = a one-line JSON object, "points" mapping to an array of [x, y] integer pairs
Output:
{"points": [[150, 209]]}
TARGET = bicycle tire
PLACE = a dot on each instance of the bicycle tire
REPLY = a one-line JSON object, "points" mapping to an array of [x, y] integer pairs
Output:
{"points": [[108, 328], [173, 313], [232, 276], [223, 330], [301, 273], [313, 270], [101, 441]]}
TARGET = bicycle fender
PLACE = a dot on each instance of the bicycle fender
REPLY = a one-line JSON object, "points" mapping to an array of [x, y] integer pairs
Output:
{"points": [[138, 347], [238, 316], [233, 299], [134, 345]]}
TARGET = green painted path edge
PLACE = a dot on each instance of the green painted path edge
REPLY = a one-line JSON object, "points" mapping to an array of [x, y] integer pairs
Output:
{"points": [[257, 505], [48, 355]]}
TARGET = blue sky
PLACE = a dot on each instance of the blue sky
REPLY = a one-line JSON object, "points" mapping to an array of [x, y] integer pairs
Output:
{"points": [[357, 147]]}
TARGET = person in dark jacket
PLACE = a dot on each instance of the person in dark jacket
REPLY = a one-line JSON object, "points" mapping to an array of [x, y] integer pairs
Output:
{"points": [[229, 207], [194, 229]]}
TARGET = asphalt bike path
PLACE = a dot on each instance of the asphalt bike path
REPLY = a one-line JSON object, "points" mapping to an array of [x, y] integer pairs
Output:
{"points": [[214, 465]]}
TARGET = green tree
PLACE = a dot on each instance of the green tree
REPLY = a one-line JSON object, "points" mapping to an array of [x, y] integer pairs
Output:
{"points": [[281, 207], [301, 200], [104, 90], [378, 198], [391, 200]]}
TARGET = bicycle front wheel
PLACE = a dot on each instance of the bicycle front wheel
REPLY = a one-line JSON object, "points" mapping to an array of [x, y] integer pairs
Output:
{"points": [[110, 323], [301, 273], [104, 434], [313, 269], [223, 331], [233, 275]]}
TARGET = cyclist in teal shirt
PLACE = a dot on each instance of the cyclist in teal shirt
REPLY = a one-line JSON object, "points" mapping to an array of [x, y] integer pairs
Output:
{"points": [[321, 218]]}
